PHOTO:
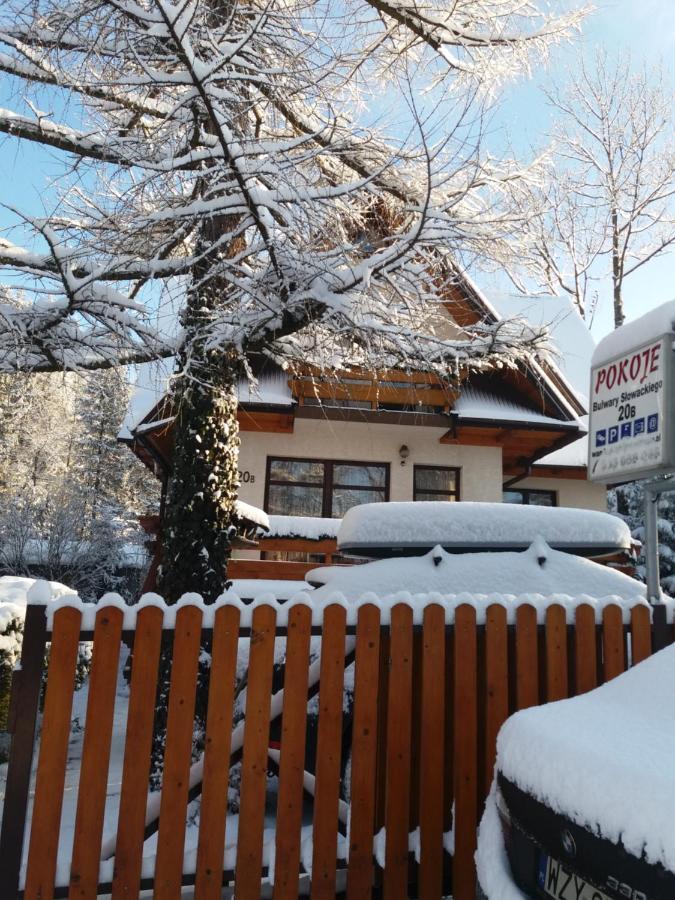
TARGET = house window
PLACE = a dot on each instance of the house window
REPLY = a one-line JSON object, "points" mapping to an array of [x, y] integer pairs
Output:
{"points": [[435, 483], [326, 488], [527, 497]]}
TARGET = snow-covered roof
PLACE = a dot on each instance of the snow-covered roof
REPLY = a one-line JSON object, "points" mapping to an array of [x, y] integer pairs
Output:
{"points": [[270, 390], [570, 336], [539, 570], [573, 455], [476, 403], [649, 327], [605, 759], [467, 525], [311, 528], [152, 383]]}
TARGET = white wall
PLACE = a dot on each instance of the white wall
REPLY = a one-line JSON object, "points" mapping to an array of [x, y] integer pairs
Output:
{"points": [[481, 467], [571, 492]]}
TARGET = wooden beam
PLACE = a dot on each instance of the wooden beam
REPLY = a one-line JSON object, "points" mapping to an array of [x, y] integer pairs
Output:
{"points": [[487, 436], [380, 375], [273, 422], [576, 473], [297, 545], [267, 568], [373, 392]]}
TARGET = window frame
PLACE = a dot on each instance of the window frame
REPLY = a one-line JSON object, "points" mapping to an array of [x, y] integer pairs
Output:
{"points": [[526, 492], [431, 495], [328, 479]]}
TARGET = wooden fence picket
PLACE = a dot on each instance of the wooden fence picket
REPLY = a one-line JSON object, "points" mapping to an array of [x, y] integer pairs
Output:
{"points": [[137, 750], [641, 634], [216, 777], [527, 657], [466, 753], [556, 653], [248, 870], [292, 757], [328, 753], [614, 658], [497, 683], [91, 795], [364, 749], [432, 748], [381, 753], [177, 754], [585, 654], [449, 731], [399, 714], [51, 772]]}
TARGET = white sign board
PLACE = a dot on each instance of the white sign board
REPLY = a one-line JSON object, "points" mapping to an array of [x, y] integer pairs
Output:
{"points": [[632, 418]]}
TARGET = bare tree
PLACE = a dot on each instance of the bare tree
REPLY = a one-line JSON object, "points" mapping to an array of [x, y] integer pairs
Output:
{"points": [[607, 207], [216, 154]]}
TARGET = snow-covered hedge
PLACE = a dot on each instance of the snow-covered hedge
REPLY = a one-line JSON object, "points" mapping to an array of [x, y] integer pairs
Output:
{"points": [[310, 528], [14, 596]]}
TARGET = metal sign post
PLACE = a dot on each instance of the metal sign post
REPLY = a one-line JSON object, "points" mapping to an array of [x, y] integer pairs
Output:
{"points": [[653, 489]]}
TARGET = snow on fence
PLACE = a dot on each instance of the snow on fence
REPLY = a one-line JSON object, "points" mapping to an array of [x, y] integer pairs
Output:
{"points": [[400, 774]]}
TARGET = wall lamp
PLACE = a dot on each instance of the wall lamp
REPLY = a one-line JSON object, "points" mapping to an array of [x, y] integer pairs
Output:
{"points": [[404, 453]]}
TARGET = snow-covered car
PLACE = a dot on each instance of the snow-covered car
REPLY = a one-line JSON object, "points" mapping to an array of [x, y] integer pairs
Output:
{"points": [[583, 804], [377, 530], [537, 570]]}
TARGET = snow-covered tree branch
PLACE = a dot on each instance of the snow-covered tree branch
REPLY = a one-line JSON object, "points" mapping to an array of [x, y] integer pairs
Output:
{"points": [[607, 207], [236, 159]]}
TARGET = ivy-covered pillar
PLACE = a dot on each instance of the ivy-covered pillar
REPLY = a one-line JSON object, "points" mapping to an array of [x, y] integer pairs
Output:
{"points": [[197, 529]]}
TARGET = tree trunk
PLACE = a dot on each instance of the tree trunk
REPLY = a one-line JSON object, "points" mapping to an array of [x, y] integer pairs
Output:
{"points": [[617, 274], [197, 530], [197, 526]]}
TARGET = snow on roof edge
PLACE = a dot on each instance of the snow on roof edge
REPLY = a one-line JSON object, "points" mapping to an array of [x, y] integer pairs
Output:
{"points": [[542, 373]]}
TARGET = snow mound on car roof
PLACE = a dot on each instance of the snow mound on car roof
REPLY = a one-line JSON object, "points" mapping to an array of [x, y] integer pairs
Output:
{"points": [[605, 759], [465, 523], [537, 570]]}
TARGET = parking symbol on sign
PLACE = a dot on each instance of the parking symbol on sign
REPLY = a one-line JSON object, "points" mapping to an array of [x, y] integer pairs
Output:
{"points": [[653, 423], [613, 435]]}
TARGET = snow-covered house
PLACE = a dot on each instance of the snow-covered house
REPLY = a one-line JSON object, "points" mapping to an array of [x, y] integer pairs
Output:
{"points": [[314, 445]]}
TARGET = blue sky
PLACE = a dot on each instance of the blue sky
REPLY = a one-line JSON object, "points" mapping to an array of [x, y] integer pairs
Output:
{"points": [[644, 27]]}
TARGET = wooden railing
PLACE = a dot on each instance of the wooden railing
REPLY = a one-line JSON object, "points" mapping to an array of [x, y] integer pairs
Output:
{"points": [[430, 688], [282, 569]]}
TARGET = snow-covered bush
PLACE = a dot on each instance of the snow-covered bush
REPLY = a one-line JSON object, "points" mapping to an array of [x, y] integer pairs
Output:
{"points": [[628, 502], [13, 600]]}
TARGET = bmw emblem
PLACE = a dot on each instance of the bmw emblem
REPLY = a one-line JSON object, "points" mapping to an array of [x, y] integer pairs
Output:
{"points": [[568, 842]]}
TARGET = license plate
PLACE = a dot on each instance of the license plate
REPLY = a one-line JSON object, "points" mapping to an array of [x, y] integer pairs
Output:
{"points": [[557, 881]]}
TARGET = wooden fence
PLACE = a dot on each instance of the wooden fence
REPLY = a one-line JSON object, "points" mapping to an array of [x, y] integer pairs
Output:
{"points": [[428, 700]]}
